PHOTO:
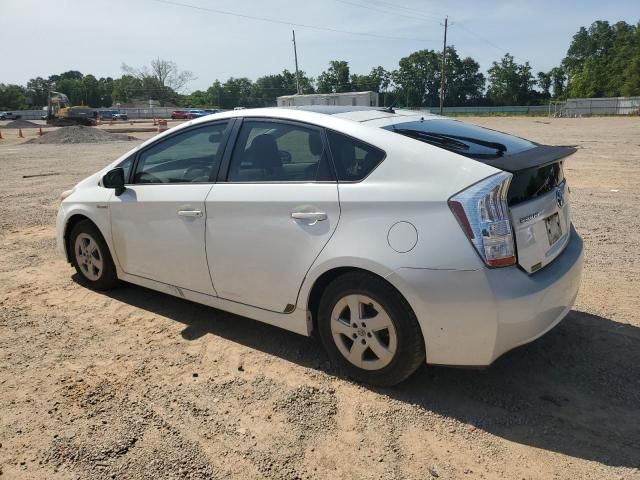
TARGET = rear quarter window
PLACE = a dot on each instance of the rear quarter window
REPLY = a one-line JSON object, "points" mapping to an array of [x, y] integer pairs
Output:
{"points": [[354, 159]]}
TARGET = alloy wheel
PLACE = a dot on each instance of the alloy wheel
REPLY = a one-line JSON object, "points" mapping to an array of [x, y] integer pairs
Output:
{"points": [[363, 332], [88, 256]]}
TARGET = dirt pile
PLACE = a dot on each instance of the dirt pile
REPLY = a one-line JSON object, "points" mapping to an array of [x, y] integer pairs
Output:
{"points": [[80, 134], [21, 124]]}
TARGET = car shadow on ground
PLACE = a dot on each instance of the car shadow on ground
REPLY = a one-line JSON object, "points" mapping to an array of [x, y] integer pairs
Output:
{"points": [[575, 391]]}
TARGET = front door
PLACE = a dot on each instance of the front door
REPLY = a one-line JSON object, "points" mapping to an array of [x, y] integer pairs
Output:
{"points": [[271, 218], [158, 222]]}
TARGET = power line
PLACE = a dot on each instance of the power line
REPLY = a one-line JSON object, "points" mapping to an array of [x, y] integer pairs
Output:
{"points": [[289, 24], [488, 42], [386, 10], [410, 10]]}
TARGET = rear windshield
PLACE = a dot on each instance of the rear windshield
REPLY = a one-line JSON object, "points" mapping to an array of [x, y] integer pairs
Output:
{"points": [[463, 138]]}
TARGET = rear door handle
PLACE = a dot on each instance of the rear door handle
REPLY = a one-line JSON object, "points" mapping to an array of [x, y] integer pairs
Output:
{"points": [[190, 213], [310, 218]]}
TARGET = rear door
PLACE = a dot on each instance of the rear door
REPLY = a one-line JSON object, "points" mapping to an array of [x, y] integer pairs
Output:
{"points": [[272, 214], [158, 223]]}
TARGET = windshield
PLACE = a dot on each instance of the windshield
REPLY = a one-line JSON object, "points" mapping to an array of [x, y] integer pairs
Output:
{"points": [[463, 138]]}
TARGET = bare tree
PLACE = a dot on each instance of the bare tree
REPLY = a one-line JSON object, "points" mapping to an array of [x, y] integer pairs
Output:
{"points": [[162, 78]]}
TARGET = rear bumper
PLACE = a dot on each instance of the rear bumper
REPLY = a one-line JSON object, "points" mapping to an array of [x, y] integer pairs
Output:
{"points": [[470, 318]]}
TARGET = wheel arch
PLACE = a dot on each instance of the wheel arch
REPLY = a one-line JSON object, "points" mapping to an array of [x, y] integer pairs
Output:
{"points": [[323, 280], [72, 221]]}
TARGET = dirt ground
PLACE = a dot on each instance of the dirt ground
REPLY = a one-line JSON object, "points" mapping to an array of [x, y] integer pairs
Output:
{"points": [[136, 384]]}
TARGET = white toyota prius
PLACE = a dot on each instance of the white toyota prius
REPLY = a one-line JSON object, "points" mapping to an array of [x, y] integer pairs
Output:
{"points": [[398, 237]]}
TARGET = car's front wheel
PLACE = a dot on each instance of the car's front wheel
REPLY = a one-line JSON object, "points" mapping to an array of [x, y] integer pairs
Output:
{"points": [[91, 257], [369, 330]]}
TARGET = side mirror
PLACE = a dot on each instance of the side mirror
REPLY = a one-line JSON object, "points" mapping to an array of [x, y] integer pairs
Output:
{"points": [[114, 179]]}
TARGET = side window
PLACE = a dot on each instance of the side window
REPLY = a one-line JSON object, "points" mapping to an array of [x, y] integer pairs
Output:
{"points": [[126, 166], [278, 152], [353, 159], [188, 157]]}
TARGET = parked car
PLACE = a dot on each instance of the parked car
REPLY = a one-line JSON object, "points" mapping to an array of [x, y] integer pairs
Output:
{"points": [[181, 114], [399, 237], [120, 116], [106, 114], [9, 116], [197, 113], [210, 111]]}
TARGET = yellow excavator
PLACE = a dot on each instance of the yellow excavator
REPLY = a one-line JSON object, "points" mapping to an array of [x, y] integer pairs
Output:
{"points": [[61, 113]]}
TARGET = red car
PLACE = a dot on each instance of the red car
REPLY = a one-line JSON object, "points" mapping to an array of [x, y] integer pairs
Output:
{"points": [[181, 114]]}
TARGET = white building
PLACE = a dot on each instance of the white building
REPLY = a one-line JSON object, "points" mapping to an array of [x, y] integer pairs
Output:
{"points": [[361, 99]]}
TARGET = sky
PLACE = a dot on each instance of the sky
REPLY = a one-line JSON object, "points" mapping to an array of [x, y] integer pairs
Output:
{"points": [[45, 37]]}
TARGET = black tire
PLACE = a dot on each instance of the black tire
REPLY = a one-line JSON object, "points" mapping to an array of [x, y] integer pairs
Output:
{"points": [[410, 351], [107, 277]]}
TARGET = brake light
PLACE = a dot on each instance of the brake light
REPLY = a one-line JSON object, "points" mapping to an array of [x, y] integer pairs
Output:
{"points": [[483, 215]]}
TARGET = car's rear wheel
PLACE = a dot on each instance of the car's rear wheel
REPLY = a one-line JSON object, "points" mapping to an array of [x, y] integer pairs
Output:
{"points": [[91, 257], [369, 330]]}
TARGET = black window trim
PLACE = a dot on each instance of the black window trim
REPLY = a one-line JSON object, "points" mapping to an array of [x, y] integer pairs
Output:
{"points": [[212, 178], [223, 176]]}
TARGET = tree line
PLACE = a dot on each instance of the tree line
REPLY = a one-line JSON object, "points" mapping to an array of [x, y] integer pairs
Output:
{"points": [[602, 60]]}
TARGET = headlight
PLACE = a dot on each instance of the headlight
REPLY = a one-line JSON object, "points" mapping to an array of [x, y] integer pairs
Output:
{"points": [[66, 193]]}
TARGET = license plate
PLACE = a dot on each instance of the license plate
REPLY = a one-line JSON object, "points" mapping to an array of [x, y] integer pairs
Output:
{"points": [[554, 229]]}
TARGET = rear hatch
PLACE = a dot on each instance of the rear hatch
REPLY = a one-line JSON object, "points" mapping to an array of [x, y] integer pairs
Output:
{"points": [[538, 194], [539, 204]]}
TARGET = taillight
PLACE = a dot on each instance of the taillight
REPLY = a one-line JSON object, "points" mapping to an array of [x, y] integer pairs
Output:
{"points": [[483, 214]]}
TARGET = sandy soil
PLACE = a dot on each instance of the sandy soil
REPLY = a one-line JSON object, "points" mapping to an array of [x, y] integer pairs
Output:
{"points": [[137, 384]]}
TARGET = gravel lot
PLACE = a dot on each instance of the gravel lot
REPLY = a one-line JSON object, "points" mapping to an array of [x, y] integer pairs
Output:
{"points": [[136, 384]]}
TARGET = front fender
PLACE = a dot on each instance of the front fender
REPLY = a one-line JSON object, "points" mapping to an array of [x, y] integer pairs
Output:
{"points": [[91, 203]]}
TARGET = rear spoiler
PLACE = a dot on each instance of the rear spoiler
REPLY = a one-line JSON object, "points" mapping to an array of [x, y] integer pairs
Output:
{"points": [[535, 157]]}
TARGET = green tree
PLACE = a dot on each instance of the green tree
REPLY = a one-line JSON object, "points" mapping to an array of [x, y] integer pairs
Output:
{"points": [[335, 79], [12, 97], [197, 99], [105, 89], [558, 81], [38, 89], [126, 89], [544, 82], [602, 60], [464, 83], [235, 92], [510, 83], [418, 79], [266, 89], [216, 93]]}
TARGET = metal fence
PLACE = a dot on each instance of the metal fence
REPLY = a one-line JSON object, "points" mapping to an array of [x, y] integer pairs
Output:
{"points": [[509, 109], [580, 107], [133, 113], [573, 107]]}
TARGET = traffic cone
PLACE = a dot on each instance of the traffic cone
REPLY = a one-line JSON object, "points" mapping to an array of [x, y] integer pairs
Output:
{"points": [[20, 135]]}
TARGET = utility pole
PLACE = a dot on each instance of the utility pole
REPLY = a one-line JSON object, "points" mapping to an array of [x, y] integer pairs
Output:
{"points": [[295, 56], [444, 65]]}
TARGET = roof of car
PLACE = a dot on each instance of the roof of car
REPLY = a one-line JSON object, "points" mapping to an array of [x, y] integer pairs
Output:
{"points": [[360, 114]]}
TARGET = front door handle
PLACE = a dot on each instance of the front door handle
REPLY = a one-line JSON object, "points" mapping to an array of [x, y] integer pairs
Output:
{"points": [[190, 213], [310, 218]]}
